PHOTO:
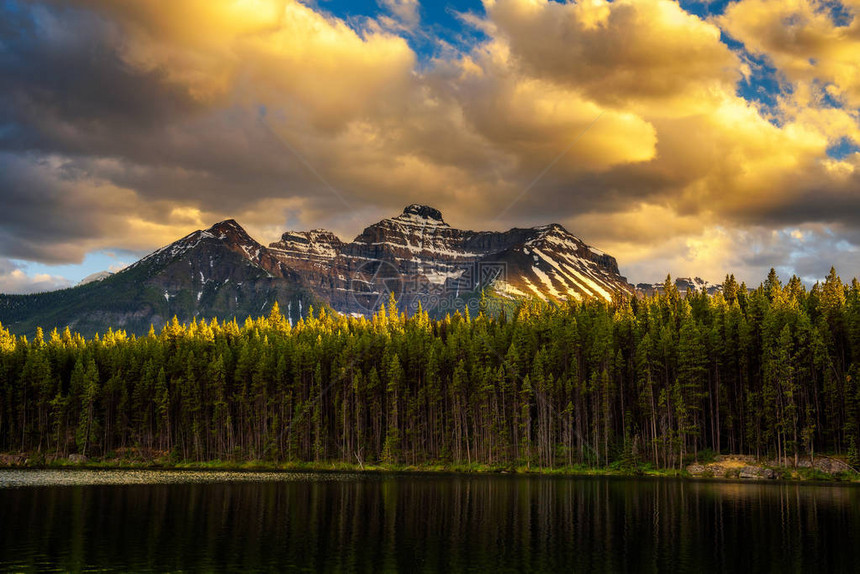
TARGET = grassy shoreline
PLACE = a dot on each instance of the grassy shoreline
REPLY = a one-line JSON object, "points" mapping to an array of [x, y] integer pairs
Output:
{"points": [[643, 471]]}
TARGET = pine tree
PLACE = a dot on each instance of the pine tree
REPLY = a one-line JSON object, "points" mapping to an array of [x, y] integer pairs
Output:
{"points": [[88, 426]]}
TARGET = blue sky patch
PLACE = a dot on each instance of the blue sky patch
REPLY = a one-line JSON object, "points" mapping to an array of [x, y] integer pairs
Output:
{"points": [[843, 148], [440, 21], [74, 272], [839, 14], [705, 9]]}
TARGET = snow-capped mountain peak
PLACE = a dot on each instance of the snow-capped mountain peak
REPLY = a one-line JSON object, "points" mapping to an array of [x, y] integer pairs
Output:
{"points": [[97, 276], [314, 243], [227, 234], [431, 260], [228, 229], [417, 214]]}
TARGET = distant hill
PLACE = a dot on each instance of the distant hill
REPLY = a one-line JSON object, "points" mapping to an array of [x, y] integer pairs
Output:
{"points": [[683, 284]]}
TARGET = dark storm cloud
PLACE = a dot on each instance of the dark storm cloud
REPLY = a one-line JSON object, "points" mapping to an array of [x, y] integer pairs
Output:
{"points": [[575, 194], [67, 91], [84, 135], [66, 88], [813, 202], [47, 211]]}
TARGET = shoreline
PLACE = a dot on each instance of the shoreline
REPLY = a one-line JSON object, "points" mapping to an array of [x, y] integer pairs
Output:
{"points": [[767, 474]]}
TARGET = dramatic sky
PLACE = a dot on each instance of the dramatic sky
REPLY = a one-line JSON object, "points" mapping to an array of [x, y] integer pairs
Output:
{"points": [[696, 138]]}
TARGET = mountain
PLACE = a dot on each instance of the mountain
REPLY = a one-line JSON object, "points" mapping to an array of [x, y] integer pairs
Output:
{"points": [[218, 272], [97, 276], [683, 284], [223, 272], [420, 258]]}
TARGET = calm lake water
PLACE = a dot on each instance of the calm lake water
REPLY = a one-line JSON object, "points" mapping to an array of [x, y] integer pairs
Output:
{"points": [[221, 521]]}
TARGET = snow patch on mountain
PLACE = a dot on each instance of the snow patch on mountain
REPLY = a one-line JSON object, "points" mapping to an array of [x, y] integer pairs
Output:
{"points": [[97, 276]]}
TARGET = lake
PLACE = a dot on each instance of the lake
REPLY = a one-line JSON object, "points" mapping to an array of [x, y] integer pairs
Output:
{"points": [[75, 520]]}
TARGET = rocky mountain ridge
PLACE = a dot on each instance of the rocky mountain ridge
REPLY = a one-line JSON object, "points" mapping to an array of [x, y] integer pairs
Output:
{"points": [[416, 256]]}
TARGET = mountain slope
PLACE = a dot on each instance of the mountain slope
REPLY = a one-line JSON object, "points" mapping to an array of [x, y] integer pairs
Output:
{"points": [[554, 264], [219, 272]]}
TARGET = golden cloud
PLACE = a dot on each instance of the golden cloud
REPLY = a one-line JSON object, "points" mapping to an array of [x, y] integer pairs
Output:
{"points": [[636, 54], [303, 117], [804, 42]]}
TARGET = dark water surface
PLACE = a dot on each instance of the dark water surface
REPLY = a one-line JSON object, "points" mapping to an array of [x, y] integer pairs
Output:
{"points": [[197, 521]]}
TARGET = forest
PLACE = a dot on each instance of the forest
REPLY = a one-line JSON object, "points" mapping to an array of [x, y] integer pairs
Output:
{"points": [[772, 371]]}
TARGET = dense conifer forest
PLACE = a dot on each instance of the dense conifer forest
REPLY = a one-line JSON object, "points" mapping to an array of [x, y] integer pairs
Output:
{"points": [[770, 372]]}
